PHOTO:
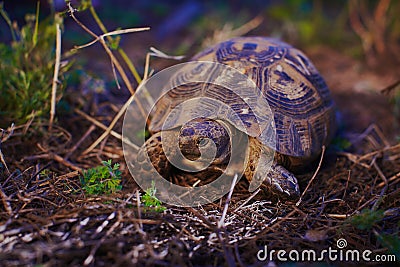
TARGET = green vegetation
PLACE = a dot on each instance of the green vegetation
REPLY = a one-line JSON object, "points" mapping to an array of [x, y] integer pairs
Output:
{"points": [[150, 200], [391, 242], [104, 179], [27, 68], [340, 143], [367, 219]]}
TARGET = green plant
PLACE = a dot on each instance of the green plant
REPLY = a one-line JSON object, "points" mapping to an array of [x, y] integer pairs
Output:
{"points": [[27, 68], [150, 200], [366, 219], [45, 173], [340, 143], [104, 179], [392, 242]]}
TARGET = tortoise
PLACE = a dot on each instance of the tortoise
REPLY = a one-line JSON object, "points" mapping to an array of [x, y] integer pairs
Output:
{"points": [[303, 112]]}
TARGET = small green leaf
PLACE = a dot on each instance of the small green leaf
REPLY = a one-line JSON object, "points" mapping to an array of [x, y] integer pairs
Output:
{"points": [[114, 42], [150, 200], [340, 143], [85, 4]]}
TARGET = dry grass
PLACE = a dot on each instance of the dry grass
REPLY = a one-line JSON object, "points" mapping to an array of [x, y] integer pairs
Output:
{"points": [[46, 219]]}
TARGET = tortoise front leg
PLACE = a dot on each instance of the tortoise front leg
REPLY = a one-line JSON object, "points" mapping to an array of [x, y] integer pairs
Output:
{"points": [[263, 169], [282, 182]]}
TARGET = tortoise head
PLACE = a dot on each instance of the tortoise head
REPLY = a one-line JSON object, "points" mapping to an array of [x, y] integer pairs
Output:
{"points": [[205, 138]]}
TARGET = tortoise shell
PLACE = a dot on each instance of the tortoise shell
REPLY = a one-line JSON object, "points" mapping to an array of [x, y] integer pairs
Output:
{"points": [[298, 96]]}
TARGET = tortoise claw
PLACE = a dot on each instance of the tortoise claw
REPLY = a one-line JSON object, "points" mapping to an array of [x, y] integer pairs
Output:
{"points": [[283, 182]]}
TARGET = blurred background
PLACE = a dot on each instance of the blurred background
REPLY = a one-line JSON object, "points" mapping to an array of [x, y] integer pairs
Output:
{"points": [[355, 44], [355, 27]]}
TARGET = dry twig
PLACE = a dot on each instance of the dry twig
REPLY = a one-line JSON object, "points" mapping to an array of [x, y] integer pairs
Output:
{"points": [[313, 177], [55, 76], [228, 199], [110, 127]]}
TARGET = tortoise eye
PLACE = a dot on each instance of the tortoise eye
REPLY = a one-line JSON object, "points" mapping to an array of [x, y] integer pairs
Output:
{"points": [[202, 142]]}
